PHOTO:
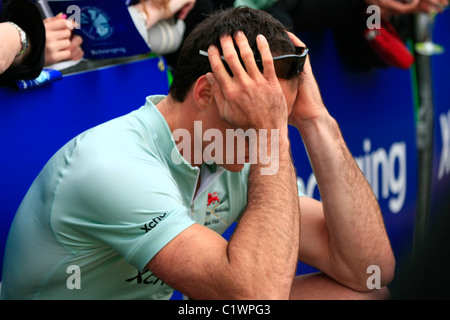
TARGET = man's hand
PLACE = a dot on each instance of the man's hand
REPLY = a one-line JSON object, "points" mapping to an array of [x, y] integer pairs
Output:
{"points": [[308, 104], [348, 224], [249, 99]]}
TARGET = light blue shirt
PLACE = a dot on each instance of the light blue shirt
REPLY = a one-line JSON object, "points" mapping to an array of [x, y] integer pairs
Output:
{"points": [[106, 203]]}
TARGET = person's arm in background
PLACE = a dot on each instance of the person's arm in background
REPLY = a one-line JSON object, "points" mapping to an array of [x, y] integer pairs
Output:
{"points": [[155, 13], [432, 5], [25, 15], [161, 23], [322, 14]]}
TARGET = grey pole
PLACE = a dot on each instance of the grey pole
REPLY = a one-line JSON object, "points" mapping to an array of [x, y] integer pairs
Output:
{"points": [[424, 135]]}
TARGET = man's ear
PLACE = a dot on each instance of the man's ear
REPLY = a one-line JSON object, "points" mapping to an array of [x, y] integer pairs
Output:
{"points": [[203, 93]]}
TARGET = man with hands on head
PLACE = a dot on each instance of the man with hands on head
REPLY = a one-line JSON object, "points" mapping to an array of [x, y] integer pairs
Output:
{"points": [[123, 196], [342, 236]]}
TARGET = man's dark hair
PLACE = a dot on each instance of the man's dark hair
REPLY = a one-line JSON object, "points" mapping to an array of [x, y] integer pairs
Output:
{"points": [[191, 65]]}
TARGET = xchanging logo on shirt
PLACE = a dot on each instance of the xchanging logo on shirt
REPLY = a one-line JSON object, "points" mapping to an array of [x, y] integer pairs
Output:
{"points": [[153, 223], [145, 277]]}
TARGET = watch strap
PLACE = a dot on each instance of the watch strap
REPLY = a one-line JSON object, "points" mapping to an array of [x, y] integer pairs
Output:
{"points": [[23, 38]]}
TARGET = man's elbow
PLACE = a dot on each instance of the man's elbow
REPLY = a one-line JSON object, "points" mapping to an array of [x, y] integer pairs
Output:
{"points": [[388, 269], [374, 275], [259, 292], [260, 288]]}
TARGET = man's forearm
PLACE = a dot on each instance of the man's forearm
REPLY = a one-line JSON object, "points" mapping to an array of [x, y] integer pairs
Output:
{"points": [[267, 237], [356, 229]]}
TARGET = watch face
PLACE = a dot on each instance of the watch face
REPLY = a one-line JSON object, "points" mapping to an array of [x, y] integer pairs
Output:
{"points": [[95, 23]]}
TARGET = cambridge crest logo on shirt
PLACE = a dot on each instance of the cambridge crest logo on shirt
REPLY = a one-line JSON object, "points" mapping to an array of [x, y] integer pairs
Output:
{"points": [[213, 212], [213, 198]]}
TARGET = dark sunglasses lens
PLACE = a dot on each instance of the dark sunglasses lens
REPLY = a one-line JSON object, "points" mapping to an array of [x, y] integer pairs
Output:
{"points": [[288, 67], [300, 50]]}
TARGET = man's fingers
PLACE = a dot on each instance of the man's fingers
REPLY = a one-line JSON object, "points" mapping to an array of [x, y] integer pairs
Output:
{"points": [[232, 58], [217, 66], [247, 54], [295, 40], [266, 57]]}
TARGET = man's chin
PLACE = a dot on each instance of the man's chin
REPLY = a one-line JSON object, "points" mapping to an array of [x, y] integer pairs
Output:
{"points": [[233, 167]]}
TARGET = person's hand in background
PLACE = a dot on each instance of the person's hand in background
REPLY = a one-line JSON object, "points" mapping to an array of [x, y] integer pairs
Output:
{"points": [[432, 5], [181, 7], [394, 7], [155, 11], [61, 43]]}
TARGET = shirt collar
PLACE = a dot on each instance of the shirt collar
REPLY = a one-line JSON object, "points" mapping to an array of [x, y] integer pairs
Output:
{"points": [[166, 145], [163, 136]]}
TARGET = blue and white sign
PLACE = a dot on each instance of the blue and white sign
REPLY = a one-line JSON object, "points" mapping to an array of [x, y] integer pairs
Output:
{"points": [[105, 26], [440, 197], [375, 111]]}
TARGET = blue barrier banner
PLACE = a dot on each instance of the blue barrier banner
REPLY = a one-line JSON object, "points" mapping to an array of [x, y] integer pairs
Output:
{"points": [[440, 200], [375, 111], [35, 123]]}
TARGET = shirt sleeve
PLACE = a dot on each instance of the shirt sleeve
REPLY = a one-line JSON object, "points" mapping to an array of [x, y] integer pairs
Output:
{"points": [[133, 209]]}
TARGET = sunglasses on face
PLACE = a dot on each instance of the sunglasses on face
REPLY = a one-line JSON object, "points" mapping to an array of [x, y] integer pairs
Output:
{"points": [[286, 66]]}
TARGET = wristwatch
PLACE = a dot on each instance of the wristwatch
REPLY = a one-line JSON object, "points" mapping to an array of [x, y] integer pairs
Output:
{"points": [[23, 38]]}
